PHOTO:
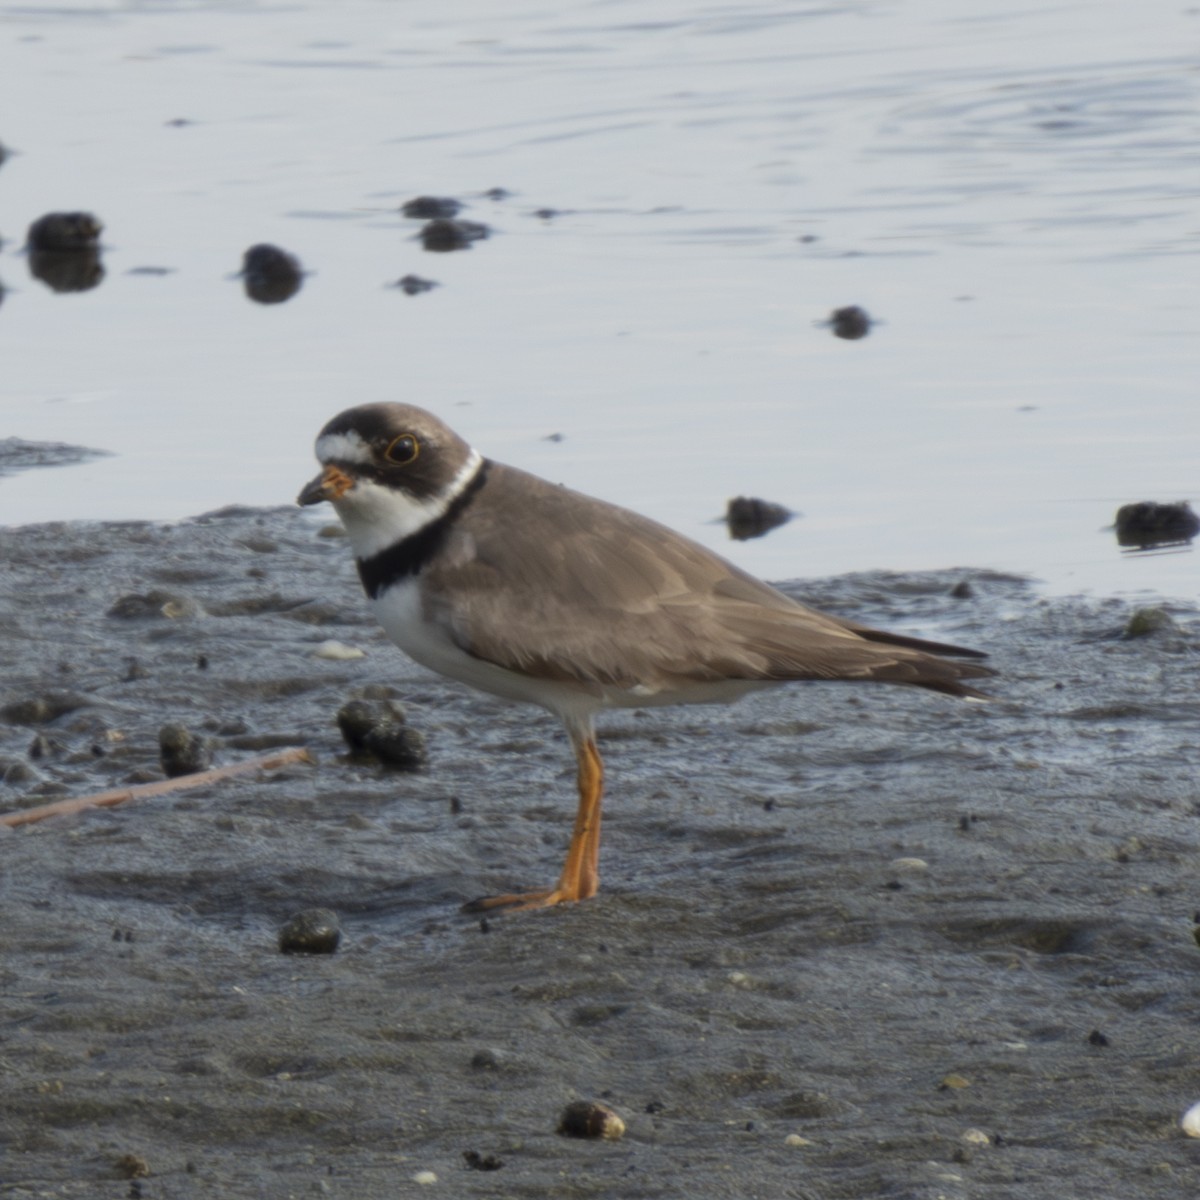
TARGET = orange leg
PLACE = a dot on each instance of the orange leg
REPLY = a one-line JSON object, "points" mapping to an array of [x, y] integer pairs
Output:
{"points": [[580, 876]]}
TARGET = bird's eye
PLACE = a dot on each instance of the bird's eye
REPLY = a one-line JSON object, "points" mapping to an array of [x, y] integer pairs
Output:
{"points": [[402, 450]]}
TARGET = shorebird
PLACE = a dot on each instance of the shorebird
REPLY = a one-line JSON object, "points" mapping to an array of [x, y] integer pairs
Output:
{"points": [[533, 592]]}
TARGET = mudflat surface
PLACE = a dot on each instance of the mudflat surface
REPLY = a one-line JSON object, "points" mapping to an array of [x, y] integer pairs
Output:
{"points": [[852, 941]]}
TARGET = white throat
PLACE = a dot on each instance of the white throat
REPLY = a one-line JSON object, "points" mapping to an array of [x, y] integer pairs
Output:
{"points": [[377, 517]]}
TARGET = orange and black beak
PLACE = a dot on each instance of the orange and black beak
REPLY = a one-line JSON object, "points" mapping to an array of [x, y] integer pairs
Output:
{"points": [[332, 484]]}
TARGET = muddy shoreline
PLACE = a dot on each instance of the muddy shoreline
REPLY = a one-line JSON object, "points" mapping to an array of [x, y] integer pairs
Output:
{"points": [[850, 941]]}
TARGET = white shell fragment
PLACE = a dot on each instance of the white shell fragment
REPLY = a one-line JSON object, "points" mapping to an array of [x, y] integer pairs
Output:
{"points": [[1191, 1120], [976, 1137], [424, 1177], [338, 651]]}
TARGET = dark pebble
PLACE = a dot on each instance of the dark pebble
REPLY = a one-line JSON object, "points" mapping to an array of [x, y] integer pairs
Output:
{"points": [[962, 590], [748, 517], [378, 728], [38, 710], [41, 747], [587, 1119], [1144, 622], [427, 208], [444, 234], [850, 322], [482, 1162], [70, 231], [1096, 1038], [137, 606], [497, 193], [313, 931], [414, 285], [270, 275], [1147, 524], [182, 752]]}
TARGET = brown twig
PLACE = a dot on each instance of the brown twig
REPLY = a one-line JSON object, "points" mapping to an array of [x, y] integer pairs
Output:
{"points": [[264, 762]]}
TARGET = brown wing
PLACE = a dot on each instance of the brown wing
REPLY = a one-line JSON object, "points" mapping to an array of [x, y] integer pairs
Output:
{"points": [[555, 584]]}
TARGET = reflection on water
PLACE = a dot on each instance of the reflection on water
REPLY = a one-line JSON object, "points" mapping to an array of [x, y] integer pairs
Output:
{"points": [[1012, 191]]}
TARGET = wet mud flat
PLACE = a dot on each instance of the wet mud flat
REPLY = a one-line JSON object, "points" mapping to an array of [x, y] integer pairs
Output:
{"points": [[851, 941]]}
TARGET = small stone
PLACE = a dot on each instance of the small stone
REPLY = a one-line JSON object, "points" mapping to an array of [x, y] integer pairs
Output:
{"points": [[132, 1166], [1145, 622], [1191, 1121], [424, 1177], [911, 865], [749, 517], [486, 1060], [850, 323], [482, 1162], [137, 606], [313, 931], [270, 275], [445, 234], [64, 232], [182, 752], [962, 590], [588, 1119], [427, 208], [794, 1139], [338, 651], [1096, 1038], [976, 1137], [377, 728], [954, 1082], [414, 285], [1147, 523]]}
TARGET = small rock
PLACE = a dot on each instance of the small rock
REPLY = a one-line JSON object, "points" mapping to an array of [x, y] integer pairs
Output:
{"points": [[39, 710], [794, 1139], [137, 606], [486, 1060], [182, 752], [588, 1119], [1096, 1038], [1147, 621], [377, 727], [444, 234], [748, 517], [270, 275], [1147, 524], [64, 231], [482, 1162], [953, 1082], [1191, 1121], [414, 285], [313, 931], [850, 323], [962, 590], [132, 1166], [497, 193], [424, 1177], [338, 651], [430, 207], [976, 1137]]}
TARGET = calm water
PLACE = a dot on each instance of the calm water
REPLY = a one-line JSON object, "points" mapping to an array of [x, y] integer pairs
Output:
{"points": [[1012, 192]]}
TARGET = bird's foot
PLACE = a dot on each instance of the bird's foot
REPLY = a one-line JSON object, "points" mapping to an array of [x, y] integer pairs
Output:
{"points": [[521, 901]]}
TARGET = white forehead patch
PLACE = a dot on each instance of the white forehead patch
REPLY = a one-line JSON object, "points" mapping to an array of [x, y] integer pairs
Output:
{"points": [[342, 447]]}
